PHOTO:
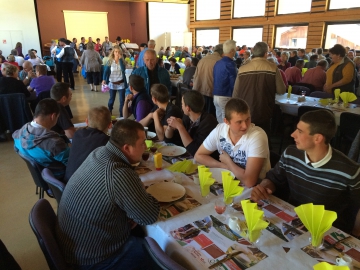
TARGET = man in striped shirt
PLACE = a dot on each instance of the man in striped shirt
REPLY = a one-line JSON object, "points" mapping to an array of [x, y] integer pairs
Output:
{"points": [[102, 200], [314, 172]]}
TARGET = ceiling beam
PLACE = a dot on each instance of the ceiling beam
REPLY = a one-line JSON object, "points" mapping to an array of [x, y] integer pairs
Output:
{"points": [[156, 1]]}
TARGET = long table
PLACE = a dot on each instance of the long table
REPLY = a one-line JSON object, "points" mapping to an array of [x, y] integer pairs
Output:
{"points": [[291, 106], [272, 252]]}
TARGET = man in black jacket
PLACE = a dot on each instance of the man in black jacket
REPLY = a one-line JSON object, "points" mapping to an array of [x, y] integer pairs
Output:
{"points": [[67, 56]]}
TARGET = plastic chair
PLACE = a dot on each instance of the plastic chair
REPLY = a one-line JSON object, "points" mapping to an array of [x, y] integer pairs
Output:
{"points": [[321, 94], [42, 220], [159, 256], [35, 170], [349, 127], [57, 187]]}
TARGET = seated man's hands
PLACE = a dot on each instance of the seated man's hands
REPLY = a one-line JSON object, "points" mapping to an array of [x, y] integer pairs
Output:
{"points": [[225, 158], [174, 122], [260, 193], [128, 99]]}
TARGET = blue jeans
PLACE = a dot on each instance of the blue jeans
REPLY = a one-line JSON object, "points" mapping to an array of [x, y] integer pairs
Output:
{"points": [[112, 100], [132, 255]]}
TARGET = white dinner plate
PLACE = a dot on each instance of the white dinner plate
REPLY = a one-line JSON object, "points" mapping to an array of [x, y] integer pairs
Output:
{"points": [[80, 125], [166, 191], [172, 151], [216, 174], [151, 135]]}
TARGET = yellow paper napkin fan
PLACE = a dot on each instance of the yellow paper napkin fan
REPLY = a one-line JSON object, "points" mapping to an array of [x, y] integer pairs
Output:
{"points": [[231, 187]]}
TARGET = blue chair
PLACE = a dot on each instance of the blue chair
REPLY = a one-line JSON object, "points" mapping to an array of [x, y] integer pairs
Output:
{"points": [[57, 187], [42, 220]]}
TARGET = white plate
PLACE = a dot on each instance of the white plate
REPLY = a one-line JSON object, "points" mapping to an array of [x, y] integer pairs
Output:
{"points": [[216, 174], [166, 191], [172, 151], [119, 118], [151, 135], [80, 125]]}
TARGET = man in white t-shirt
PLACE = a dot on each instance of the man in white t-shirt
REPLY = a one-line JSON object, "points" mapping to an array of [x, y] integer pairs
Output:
{"points": [[243, 147]]}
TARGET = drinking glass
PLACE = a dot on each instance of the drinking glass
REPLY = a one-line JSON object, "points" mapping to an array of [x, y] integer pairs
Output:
{"points": [[153, 150], [317, 246], [220, 208], [303, 93], [145, 156]]}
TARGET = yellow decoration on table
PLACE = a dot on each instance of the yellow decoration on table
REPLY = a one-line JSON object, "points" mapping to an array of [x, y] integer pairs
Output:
{"points": [[231, 187], [316, 219], [185, 166], [148, 143], [133, 63], [303, 71], [193, 54], [177, 59], [183, 60], [347, 97], [323, 101], [182, 70], [305, 61], [254, 220], [164, 57], [327, 266], [289, 91], [337, 94], [205, 179]]}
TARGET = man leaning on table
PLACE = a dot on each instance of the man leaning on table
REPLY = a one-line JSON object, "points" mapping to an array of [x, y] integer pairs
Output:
{"points": [[101, 202], [314, 172], [243, 147]]}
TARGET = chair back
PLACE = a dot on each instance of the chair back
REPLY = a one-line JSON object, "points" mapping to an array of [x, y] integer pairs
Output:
{"points": [[308, 85], [321, 94], [274, 158], [354, 152], [297, 89], [181, 89], [57, 187], [159, 256], [15, 111], [349, 125], [35, 170], [42, 220]]}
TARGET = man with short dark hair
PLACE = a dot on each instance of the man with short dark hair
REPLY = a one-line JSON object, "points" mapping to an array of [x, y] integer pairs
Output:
{"points": [[302, 54], [257, 83], [312, 171], [243, 147], [62, 94], [138, 102], [82, 46], [313, 61], [87, 139], [101, 202], [316, 76], [195, 125], [293, 74], [106, 46], [38, 141]]}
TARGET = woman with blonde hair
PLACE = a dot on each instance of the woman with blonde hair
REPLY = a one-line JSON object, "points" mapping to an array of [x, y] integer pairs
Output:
{"points": [[9, 84], [11, 60], [114, 76], [92, 61], [199, 53]]}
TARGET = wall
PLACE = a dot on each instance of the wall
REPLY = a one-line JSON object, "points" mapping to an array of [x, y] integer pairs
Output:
{"points": [[120, 16], [18, 18], [316, 20]]}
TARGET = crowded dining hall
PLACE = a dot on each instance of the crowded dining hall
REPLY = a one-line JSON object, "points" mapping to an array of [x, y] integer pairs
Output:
{"points": [[226, 139]]}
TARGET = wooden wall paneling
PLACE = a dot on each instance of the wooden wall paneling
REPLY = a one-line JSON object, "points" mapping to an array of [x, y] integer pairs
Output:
{"points": [[270, 8], [192, 30], [225, 33], [192, 10], [315, 35], [268, 34], [226, 9]]}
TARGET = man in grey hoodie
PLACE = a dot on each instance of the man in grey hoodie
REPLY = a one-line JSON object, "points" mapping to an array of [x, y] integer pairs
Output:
{"points": [[38, 141]]}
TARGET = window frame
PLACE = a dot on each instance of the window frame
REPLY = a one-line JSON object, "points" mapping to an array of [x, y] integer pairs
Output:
{"points": [[207, 28], [328, 7], [277, 10], [259, 16], [246, 27], [288, 25], [196, 19], [334, 23]]}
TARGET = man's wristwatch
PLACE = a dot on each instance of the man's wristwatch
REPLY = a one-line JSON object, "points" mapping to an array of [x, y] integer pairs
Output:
{"points": [[27, 77]]}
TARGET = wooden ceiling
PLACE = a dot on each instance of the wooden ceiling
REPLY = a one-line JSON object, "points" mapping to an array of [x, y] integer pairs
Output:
{"points": [[156, 1]]}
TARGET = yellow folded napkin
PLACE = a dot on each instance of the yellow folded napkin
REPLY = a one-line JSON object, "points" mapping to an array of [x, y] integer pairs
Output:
{"points": [[347, 97], [205, 179], [182, 70], [184, 166], [148, 143], [337, 93], [327, 266], [316, 219], [177, 59], [183, 60], [254, 220], [324, 101], [289, 91], [303, 71], [231, 187]]}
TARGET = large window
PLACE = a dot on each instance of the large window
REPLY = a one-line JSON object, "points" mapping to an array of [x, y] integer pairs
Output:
{"points": [[291, 36], [341, 4], [247, 36], [207, 10], [253, 8], [344, 34], [289, 6], [208, 37]]}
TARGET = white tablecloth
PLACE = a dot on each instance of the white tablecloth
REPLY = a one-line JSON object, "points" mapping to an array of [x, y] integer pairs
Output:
{"points": [[270, 244], [291, 106]]}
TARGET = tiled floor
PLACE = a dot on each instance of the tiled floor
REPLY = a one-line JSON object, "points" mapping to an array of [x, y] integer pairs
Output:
{"points": [[17, 190]]}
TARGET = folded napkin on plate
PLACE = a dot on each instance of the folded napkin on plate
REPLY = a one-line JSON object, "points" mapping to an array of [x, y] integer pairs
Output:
{"points": [[347, 97], [184, 166], [337, 93], [316, 219], [231, 187], [205, 179], [289, 91], [156, 176], [148, 143], [254, 220], [327, 266]]}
